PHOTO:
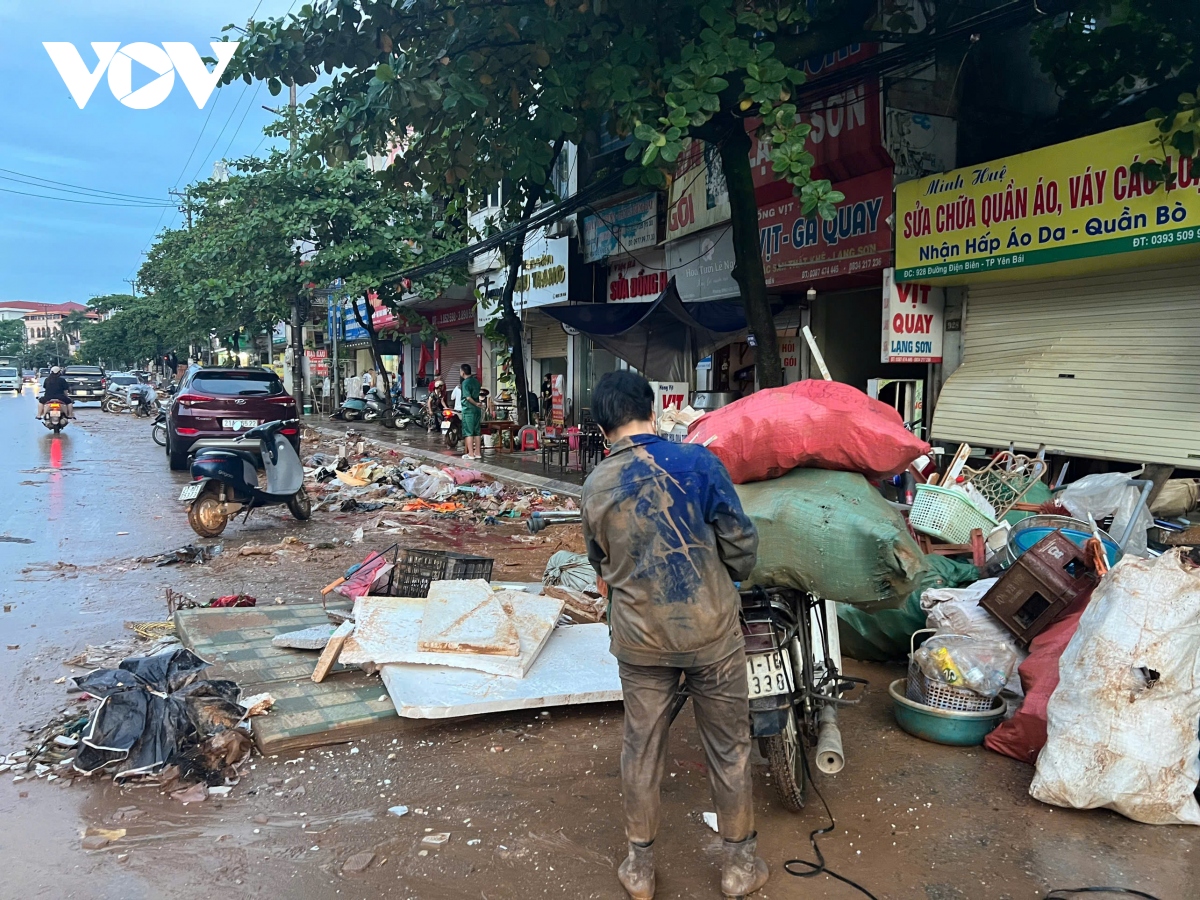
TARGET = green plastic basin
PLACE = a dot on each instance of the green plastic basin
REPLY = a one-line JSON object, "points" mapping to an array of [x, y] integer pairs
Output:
{"points": [[943, 726]]}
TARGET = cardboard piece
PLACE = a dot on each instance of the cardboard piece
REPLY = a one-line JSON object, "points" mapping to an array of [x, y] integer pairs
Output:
{"points": [[465, 617], [387, 630], [575, 667]]}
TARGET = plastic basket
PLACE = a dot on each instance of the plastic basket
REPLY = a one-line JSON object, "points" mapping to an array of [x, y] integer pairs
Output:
{"points": [[419, 568], [932, 692], [947, 515]]}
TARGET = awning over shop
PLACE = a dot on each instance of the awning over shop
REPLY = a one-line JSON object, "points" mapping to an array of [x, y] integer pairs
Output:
{"points": [[662, 339]]}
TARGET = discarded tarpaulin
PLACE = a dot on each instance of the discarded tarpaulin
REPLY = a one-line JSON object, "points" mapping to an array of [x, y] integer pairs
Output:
{"points": [[154, 711]]}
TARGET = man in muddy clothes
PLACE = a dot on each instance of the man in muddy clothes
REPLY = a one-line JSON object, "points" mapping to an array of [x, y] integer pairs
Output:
{"points": [[666, 532]]}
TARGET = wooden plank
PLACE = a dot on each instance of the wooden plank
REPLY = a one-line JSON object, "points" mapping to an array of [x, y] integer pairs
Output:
{"points": [[329, 656]]}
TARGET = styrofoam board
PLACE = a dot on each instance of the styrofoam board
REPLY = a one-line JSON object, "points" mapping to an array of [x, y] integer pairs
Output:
{"points": [[575, 667]]}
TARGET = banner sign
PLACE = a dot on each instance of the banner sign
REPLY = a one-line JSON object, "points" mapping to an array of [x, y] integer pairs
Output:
{"points": [[702, 266], [912, 321], [626, 226], [699, 196], [1061, 204], [798, 249], [637, 280]]}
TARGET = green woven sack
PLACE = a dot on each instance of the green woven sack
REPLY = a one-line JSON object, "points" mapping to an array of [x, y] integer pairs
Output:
{"points": [[833, 534]]}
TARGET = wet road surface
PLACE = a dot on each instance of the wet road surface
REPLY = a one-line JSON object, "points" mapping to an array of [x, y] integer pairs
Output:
{"points": [[532, 804]]}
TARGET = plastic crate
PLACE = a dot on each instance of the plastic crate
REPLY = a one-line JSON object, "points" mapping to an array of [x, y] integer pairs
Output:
{"points": [[947, 515], [419, 568]]}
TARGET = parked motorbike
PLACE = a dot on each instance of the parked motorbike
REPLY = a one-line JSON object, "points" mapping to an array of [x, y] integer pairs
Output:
{"points": [[54, 416], [225, 481], [451, 427], [370, 408], [158, 430], [796, 686], [406, 412], [141, 400]]}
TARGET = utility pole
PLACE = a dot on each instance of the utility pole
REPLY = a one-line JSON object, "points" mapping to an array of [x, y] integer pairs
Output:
{"points": [[297, 326], [185, 206]]}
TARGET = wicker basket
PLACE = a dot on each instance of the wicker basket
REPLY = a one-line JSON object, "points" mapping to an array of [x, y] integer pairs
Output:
{"points": [[932, 692], [947, 515]]}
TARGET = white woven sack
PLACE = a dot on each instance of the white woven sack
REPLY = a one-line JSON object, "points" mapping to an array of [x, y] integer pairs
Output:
{"points": [[1122, 723]]}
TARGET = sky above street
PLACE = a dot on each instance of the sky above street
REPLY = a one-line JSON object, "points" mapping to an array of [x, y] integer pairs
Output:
{"points": [[55, 250]]}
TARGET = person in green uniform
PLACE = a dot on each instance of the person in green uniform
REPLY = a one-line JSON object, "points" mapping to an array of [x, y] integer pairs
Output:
{"points": [[472, 413]]}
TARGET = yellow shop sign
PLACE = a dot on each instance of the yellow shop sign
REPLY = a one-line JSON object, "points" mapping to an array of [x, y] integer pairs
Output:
{"points": [[1059, 207]]}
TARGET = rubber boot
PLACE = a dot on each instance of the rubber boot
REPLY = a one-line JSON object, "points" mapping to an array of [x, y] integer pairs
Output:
{"points": [[636, 873], [743, 872]]}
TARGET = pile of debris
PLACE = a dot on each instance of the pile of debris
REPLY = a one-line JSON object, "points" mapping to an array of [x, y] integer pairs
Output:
{"points": [[359, 476]]}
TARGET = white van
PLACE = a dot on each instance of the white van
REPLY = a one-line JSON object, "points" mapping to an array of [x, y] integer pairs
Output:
{"points": [[10, 379]]}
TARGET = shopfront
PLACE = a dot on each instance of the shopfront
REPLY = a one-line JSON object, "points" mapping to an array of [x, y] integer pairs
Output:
{"points": [[1075, 291]]}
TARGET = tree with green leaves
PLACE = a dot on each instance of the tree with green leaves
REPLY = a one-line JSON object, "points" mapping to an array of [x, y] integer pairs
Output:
{"points": [[277, 231], [134, 329], [1120, 61], [12, 337], [477, 91]]}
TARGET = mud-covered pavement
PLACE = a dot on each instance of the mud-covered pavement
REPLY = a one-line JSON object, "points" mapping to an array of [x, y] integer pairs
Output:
{"points": [[531, 801]]}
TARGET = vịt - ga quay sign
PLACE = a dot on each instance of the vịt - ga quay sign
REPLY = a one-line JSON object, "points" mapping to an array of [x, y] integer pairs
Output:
{"points": [[1056, 206]]}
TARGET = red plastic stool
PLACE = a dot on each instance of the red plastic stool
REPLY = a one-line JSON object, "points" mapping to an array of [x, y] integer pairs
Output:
{"points": [[529, 439]]}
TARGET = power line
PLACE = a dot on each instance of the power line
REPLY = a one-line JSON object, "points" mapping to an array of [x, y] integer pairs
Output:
{"points": [[221, 133], [163, 206], [65, 187]]}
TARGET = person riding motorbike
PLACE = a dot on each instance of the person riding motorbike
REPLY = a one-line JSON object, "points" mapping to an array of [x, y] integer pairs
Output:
{"points": [[55, 388], [435, 403]]}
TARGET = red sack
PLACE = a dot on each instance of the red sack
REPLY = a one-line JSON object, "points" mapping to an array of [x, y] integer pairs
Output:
{"points": [[812, 425], [1023, 736]]}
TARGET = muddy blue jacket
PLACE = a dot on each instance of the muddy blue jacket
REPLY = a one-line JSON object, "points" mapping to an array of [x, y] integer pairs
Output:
{"points": [[666, 531]]}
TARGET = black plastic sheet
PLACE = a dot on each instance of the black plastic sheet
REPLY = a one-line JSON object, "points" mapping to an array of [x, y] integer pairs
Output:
{"points": [[154, 711]]}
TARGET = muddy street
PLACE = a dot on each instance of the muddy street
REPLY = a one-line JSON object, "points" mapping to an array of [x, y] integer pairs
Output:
{"points": [[530, 800]]}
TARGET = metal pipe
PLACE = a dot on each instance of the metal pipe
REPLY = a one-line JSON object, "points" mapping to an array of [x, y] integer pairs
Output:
{"points": [[830, 758]]}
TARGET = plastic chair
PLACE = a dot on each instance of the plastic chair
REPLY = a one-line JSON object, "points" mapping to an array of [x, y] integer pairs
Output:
{"points": [[573, 438], [529, 439]]}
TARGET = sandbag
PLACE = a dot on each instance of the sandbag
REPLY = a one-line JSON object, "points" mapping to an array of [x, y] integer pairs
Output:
{"points": [[570, 570], [834, 535], [1024, 735], [809, 424], [883, 636], [1121, 725]]}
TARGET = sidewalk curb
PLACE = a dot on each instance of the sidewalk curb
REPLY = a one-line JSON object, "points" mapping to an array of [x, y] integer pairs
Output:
{"points": [[444, 459]]}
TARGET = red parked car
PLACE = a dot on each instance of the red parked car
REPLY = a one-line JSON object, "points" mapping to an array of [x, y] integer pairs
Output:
{"points": [[214, 405]]}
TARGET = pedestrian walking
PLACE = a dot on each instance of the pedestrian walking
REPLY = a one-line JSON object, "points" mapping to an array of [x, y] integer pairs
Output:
{"points": [[666, 534]]}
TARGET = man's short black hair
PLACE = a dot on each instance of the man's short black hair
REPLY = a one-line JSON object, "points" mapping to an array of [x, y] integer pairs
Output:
{"points": [[466, 367], [620, 398]]}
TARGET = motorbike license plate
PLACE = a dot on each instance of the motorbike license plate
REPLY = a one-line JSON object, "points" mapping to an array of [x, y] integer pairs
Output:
{"points": [[769, 674], [239, 424], [192, 491]]}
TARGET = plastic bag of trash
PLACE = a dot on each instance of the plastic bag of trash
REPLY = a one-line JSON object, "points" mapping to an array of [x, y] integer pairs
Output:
{"points": [[1121, 725], [154, 711], [833, 534], [429, 485], [957, 611], [570, 570], [963, 661], [813, 424], [1110, 494]]}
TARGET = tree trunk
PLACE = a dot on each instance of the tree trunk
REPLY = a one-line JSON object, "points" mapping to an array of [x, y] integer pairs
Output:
{"points": [[376, 355], [510, 322], [748, 267]]}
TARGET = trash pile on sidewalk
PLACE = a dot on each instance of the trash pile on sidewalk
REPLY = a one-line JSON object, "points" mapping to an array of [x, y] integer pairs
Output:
{"points": [[359, 476], [150, 718], [1076, 653]]}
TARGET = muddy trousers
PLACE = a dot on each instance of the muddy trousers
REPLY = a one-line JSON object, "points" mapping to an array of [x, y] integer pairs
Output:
{"points": [[722, 711]]}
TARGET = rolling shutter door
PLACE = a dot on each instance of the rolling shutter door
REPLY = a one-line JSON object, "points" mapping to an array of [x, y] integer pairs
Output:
{"points": [[462, 346], [549, 342], [1106, 366]]}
